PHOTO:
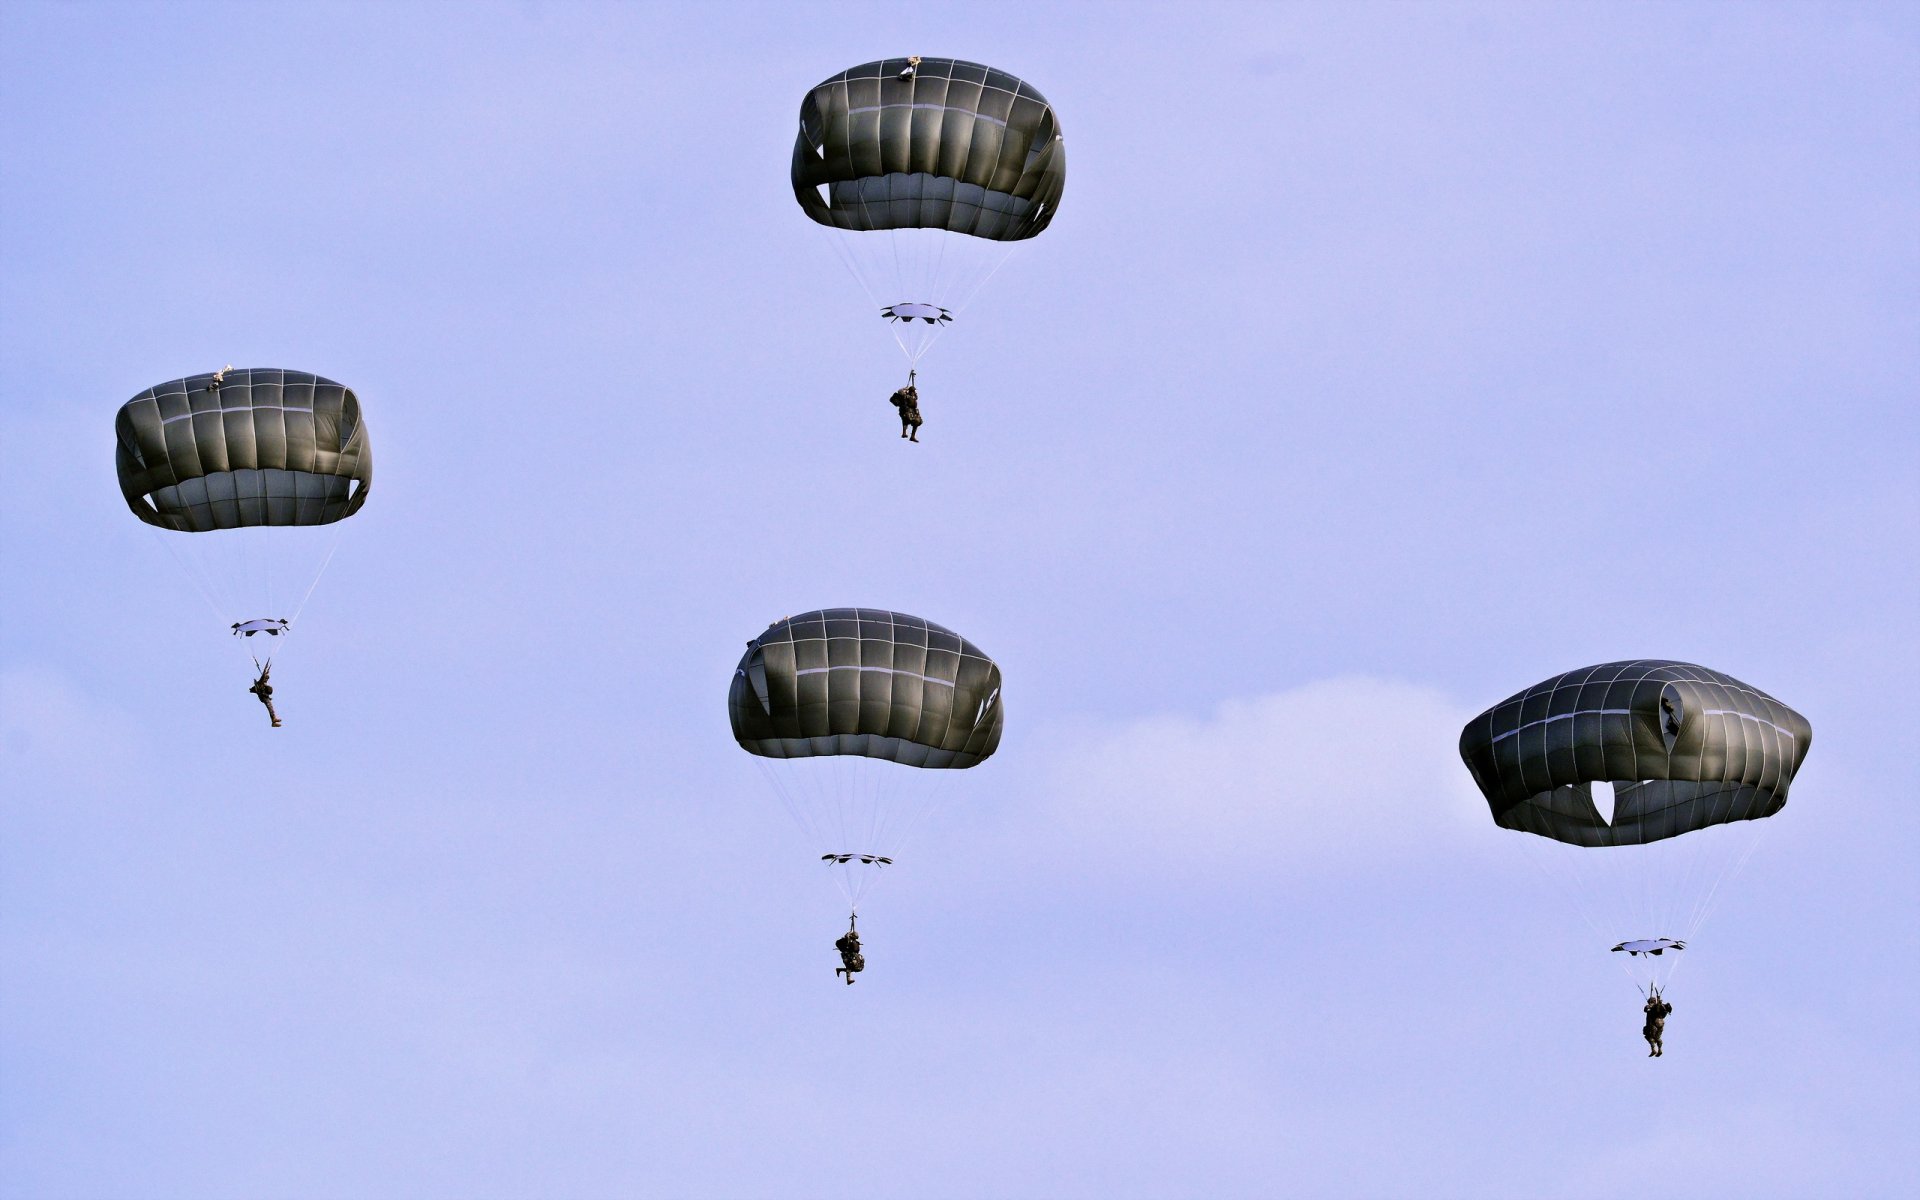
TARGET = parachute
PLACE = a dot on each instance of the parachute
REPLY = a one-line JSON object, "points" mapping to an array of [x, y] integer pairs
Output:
{"points": [[854, 714], [255, 465], [1642, 785], [927, 172]]}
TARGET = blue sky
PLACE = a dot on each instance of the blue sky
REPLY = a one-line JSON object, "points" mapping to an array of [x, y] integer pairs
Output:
{"points": [[1383, 359]]}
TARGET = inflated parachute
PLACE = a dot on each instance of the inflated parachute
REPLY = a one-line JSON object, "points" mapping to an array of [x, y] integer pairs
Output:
{"points": [[254, 465], [240, 449], [1644, 780], [928, 171], [854, 714]]}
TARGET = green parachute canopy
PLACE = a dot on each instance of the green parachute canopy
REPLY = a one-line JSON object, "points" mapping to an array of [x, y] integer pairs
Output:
{"points": [[944, 144], [1684, 748], [243, 448], [866, 682]]}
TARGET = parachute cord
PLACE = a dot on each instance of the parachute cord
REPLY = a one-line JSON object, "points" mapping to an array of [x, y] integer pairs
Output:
{"points": [[812, 797], [251, 573], [1730, 868], [987, 278], [1573, 890], [195, 574], [893, 243], [850, 805], [845, 254], [888, 257], [935, 269], [788, 799], [324, 564]]}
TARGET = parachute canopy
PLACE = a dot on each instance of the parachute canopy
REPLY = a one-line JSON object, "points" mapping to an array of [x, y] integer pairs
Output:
{"points": [[866, 682], [944, 144], [243, 448], [1684, 748]]}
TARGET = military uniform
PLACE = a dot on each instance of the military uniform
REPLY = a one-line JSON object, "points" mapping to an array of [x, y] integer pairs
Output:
{"points": [[1656, 1009], [851, 960], [907, 400], [264, 690]]}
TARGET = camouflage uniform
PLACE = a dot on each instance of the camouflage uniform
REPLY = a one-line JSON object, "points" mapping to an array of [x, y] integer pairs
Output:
{"points": [[1656, 1009], [907, 400], [851, 960], [264, 690]]}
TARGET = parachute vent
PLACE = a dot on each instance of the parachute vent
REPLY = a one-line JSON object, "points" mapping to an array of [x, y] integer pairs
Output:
{"points": [[1600, 791], [986, 704]]}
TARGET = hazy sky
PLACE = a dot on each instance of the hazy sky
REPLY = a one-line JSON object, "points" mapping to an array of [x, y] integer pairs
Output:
{"points": [[1382, 361]]}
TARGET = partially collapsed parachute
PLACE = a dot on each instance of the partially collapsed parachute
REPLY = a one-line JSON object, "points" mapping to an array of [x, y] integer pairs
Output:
{"points": [[838, 703], [928, 170], [243, 448], [1645, 782], [256, 464], [1684, 748]]}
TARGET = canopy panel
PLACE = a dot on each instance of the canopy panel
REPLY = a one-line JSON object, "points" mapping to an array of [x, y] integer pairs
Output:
{"points": [[948, 144], [866, 682], [1684, 748], [243, 448]]}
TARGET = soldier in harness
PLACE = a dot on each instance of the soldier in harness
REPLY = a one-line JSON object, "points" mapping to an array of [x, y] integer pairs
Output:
{"points": [[1656, 1009], [264, 690], [852, 961], [907, 400]]}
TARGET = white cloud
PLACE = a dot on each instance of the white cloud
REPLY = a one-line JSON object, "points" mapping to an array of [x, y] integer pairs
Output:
{"points": [[1327, 775]]}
